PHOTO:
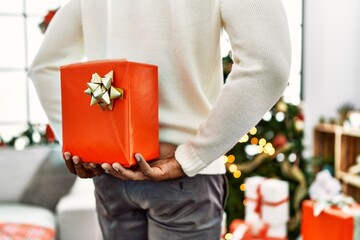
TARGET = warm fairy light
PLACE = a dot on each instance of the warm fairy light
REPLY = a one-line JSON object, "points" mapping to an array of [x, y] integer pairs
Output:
{"points": [[243, 187], [230, 158], [245, 202], [237, 174], [271, 151], [299, 125], [253, 131], [260, 149], [232, 168], [245, 138], [228, 236], [262, 142], [254, 141], [269, 144], [225, 159]]}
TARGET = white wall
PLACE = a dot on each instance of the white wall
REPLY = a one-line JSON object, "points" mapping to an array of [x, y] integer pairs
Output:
{"points": [[293, 9], [331, 69]]}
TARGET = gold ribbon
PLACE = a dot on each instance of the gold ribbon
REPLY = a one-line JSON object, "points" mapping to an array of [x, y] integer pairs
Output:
{"points": [[102, 92]]}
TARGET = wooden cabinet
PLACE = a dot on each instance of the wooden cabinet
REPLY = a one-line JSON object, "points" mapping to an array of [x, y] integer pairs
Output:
{"points": [[344, 146]]}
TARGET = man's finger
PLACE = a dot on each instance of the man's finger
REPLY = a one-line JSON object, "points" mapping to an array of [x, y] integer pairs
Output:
{"points": [[145, 168], [80, 169], [69, 163], [108, 168], [128, 174], [97, 169], [92, 169], [87, 166]]}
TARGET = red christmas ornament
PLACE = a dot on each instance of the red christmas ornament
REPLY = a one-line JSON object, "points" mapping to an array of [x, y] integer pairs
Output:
{"points": [[49, 16], [300, 116], [279, 141], [50, 136], [47, 19]]}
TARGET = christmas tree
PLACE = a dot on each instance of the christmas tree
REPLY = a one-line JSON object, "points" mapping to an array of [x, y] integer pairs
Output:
{"points": [[271, 149]]}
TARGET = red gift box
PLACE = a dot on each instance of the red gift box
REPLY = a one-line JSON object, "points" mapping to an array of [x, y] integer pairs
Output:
{"points": [[242, 230], [331, 224], [98, 134]]}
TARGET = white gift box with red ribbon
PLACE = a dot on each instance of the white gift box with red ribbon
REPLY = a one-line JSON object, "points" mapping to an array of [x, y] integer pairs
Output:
{"points": [[267, 206]]}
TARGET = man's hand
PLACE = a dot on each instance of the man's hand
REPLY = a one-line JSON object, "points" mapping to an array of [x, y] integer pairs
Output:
{"points": [[83, 170], [164, 168]]}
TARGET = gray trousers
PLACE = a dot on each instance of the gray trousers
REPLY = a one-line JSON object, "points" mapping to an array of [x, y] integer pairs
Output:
{"points": [[184, 208]]}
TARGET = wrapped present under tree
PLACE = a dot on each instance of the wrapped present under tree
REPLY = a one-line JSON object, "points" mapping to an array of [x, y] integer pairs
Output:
{"points": [[273, 149]]}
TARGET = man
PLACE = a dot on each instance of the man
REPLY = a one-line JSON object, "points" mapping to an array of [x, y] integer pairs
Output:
{"points": [[181, 194]]}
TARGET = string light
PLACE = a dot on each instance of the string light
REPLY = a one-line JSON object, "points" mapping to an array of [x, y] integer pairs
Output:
{"points": [[280, 157], [252, 150], [267, 116], [232, 168], [244, 138], [243, 187], [253, 131], [262, 142], [245, 202], [254, 141], [228, 236], [260, 149], [269, 149], [225, 159], [299, 125], [292, 157], [237, 173], [230, 158], [280, 116]]}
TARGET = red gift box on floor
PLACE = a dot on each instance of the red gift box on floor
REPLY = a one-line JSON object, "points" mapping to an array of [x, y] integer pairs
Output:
{"points": [[123, 117], [241, 230], [331, 224]]}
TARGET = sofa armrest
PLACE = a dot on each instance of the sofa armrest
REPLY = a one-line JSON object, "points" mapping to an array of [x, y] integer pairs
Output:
{"points": [[77, 218], [17, 169]]}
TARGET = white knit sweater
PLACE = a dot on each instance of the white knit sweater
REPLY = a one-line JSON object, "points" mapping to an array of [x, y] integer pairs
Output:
{"points": [[182, 37]]}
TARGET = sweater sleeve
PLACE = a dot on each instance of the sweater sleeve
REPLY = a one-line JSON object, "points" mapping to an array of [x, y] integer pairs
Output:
{"points": [[62, 44], [259, 37]]}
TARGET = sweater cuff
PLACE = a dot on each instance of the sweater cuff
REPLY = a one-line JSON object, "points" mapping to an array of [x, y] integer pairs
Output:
{"points": [[190, 163]]}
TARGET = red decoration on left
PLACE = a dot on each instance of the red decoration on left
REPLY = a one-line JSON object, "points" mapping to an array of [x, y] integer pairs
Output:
{"points": [[47, 19]]}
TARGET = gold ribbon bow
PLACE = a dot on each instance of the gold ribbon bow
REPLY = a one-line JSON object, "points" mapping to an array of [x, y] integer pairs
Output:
{"points": [[102, 92]]}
